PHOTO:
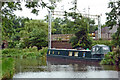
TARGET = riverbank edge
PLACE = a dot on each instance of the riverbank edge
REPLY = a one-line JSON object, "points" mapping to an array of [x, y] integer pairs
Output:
{"points": [[28, 53]]}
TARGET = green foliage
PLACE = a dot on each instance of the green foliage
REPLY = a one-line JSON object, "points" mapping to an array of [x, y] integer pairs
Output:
{"points": [[74, 41], [105, 42], [116, 38], [113, 20], [38, 38], [11, 52], [11, 32], [12, 26], [112, 58], [0, 68], [86, 42], [7, 68], [68, 26], [57, 26], [43, 51], [34, 34], [82, 37], [109, 59], [24, 53]]}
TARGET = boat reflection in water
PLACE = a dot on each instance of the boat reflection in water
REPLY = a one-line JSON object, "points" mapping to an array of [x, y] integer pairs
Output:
{"points": [[67, 68], [63, 68]]}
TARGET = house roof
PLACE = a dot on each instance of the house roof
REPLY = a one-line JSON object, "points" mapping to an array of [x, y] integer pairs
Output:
{"points": [[108, 30], [114, 29], [103, 30]]}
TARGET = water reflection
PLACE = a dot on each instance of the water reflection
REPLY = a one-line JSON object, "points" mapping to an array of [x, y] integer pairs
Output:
{"points": [[63, 69]]}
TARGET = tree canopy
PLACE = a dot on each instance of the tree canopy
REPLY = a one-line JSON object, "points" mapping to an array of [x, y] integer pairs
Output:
{"points": [[113, 19], [13, 26]]}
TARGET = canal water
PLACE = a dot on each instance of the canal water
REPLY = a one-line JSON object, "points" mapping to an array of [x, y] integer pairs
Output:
{"points": [[54, 68]]}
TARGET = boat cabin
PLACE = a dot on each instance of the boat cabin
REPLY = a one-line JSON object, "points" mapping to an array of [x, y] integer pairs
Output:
{"points": [[99, 50], [96, 53]]}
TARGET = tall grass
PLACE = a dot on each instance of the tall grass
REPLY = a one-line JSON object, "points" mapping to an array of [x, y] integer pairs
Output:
{"points": [[0, 68], [7, 62], [7, 68], [24, 53]]}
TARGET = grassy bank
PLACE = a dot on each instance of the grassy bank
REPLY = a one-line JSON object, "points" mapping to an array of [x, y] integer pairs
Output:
{"points": [[7, 68], [7, 62], [0, 68], [24, 53]]}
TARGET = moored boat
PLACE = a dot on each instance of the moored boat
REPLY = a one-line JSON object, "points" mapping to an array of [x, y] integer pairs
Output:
{"points": [[95, 54]]}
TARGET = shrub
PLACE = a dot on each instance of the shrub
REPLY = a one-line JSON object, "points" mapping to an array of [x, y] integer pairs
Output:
{"points": [[110, 59], [105, 42], [43, 51], [11, 52]]}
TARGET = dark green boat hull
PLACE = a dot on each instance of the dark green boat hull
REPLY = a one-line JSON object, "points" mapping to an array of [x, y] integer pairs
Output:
{"points": [[65, 54]]}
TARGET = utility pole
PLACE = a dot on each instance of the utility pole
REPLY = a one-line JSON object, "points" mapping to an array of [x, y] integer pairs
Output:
{"points": [[49, 29], [99, 27], [75, 5], [98, 17]]}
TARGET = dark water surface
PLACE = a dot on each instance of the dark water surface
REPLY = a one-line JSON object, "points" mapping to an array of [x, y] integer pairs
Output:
{"points": [[56, 68]]}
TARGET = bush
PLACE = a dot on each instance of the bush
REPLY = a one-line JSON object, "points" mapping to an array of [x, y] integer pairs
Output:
{"points": [[11, 52], [111, 59], [105, 42], [43, 51]]}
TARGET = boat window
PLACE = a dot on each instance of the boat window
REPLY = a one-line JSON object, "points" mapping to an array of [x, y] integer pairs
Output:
{"points": [[49, 52], [105, 48], [97, 48], [93, 49], [58, 52], [76, 54], [53, 52], [83, 54], [70, 53]]}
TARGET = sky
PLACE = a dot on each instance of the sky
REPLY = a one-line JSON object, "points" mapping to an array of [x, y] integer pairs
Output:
{"points": [[96, 7]]}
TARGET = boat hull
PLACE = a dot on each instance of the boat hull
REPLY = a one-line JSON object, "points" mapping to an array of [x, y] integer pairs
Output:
{"points": [[77, 55]]}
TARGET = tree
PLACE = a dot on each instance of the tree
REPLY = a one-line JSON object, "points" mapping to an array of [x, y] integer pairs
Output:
{"points": [[38, 37], [57, 26], [7, 16], [11, 29], [92, 27], [34, 34], [84, 39], [113, 19]]}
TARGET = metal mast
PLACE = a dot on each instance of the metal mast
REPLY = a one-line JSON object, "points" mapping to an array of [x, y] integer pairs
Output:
{"points": [[99, 27], [49, 29], [75, 3]]}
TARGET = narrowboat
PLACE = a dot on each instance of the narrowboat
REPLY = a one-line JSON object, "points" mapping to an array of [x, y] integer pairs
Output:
{"points": [[97, 53]]}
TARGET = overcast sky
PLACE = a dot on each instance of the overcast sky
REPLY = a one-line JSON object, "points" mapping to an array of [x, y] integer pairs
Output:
{"points": [[97, 7]]}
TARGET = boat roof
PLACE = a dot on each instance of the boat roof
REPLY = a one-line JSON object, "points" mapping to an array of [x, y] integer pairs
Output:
{"points": [[69, 49]]}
